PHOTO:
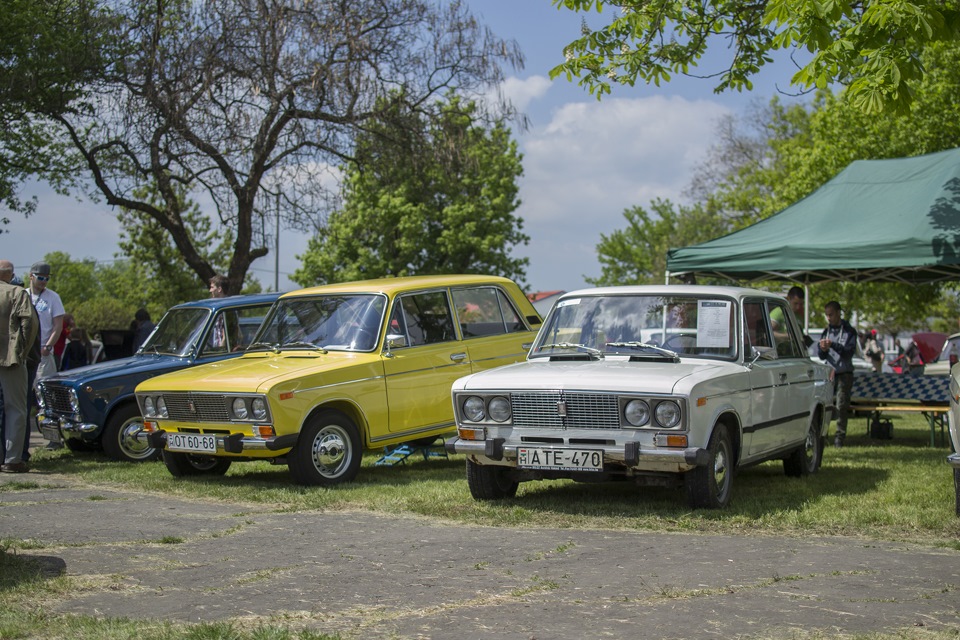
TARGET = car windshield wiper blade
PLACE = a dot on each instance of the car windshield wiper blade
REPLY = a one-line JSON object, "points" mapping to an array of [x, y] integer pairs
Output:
{"points": [[572, 345], [263, 345], [644, 345], [303, 343]]}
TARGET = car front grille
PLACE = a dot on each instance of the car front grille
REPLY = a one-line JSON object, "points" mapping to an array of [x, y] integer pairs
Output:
{"points": [[196, 407], [583, 410], [57, 398]]}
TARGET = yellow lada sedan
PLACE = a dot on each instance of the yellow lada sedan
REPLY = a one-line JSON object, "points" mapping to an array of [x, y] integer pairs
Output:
{"points": [[335, 370]]}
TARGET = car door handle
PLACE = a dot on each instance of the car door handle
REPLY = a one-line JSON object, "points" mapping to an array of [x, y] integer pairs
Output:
{"points": [[458, 357], [526, 346], [783, 377]]}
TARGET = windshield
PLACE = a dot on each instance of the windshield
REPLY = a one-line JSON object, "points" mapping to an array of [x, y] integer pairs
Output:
{"points": [[640, 325], [345, 322], [178, 332]]}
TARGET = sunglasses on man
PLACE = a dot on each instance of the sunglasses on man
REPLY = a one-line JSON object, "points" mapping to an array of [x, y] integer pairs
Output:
{"points": [[41, 278]]}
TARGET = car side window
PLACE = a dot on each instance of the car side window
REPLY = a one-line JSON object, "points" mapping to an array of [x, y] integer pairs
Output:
{"points": [[755, 325], [485, 311], [423, 318], [786, 334]]}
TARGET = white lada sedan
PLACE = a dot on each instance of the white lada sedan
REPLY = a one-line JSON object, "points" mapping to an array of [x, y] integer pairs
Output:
{"points": [[655, 384]]}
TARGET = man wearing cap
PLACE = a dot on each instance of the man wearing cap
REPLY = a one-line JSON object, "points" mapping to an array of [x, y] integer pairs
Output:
{"points": [[18, 331], [50, 311]]}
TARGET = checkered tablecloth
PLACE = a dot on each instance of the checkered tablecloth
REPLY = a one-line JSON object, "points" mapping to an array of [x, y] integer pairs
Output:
{"points": [[895, 386]]}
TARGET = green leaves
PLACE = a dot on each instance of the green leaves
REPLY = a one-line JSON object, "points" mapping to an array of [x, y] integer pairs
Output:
{"points": [[650, 39]]}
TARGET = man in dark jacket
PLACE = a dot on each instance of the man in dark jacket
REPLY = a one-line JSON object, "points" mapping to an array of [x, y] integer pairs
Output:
{"points": [[838, 343]]}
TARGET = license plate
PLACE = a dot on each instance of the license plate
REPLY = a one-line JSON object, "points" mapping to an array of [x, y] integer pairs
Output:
{"points": [[560, 459], [191, 442], [50, 433]]}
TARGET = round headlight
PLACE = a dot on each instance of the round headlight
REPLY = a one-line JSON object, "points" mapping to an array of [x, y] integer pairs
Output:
{"points": [[637, 413], [499, 409], [162, 409], [240, 409], [74, 402], [473, 409], [259, 408], [149, 410], [668, 414]]}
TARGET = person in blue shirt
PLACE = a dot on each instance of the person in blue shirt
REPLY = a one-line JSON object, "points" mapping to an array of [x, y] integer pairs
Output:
{"points": [[838, 343]]}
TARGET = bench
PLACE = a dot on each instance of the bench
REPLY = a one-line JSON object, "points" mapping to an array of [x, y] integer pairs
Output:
{"points": [[877, 393]]}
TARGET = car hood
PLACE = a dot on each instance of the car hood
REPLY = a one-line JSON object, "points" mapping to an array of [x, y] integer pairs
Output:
{"points": [[140, 363], [255, 372], [620, 375]]}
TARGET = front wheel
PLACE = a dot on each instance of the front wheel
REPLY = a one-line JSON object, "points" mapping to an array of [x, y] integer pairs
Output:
{"points": [[194, 464], [805, 460], [711, 486], [119, 441], [490, 482], [328, 451], [956, 487]]}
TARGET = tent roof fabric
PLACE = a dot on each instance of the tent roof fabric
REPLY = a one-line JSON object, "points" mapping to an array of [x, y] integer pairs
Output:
{"points": [[876, 221]]}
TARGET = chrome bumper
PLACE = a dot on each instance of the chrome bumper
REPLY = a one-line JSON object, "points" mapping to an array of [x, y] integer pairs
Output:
{"points": [[57, 429], [234, 443], [631, 455]]}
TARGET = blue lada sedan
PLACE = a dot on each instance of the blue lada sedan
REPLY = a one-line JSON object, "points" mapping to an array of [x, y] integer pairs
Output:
{"points": [[94, 407]]}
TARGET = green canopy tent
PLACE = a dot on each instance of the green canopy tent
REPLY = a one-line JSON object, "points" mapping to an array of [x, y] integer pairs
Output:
{"points": [[876, 221]]}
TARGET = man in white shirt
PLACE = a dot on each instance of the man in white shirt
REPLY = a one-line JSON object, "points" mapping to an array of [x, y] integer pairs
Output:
{"points": [[50, 311]]}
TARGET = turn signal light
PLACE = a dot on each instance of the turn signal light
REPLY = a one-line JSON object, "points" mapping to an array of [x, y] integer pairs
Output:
{"points": [[264, 430], [467, 433], [670, 440], [149, 425]]}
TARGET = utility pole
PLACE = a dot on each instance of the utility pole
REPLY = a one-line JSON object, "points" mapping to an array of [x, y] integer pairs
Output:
{"points": [[276, 249]]}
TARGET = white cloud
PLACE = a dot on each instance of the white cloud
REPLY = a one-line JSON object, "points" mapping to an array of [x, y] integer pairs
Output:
{"points": [[521, 92], [592, 161]]}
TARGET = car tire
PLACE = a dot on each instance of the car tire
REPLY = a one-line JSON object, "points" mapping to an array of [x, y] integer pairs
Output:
{"points": [[77, 445], [956, 488], [711, 486], [328, 451], [117, 438], [490, 482], [193, 464], [805, 460]]}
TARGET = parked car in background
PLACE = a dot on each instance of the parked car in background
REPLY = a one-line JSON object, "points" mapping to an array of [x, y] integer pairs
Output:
{"points": [[948, 356], [954, 419], [93, 407], [338, 369], [595, 401]]}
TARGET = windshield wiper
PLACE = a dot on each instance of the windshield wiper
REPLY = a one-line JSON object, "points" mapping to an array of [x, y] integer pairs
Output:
{"points": [[303, 343], [572, 345], [264, 345], [644, 345]]}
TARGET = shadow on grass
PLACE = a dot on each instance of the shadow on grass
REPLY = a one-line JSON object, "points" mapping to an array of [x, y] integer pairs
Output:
{"points": [[16, 570]]}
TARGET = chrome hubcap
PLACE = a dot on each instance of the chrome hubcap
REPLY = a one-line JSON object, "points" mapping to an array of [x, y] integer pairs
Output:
{"points": [[330, 450]]}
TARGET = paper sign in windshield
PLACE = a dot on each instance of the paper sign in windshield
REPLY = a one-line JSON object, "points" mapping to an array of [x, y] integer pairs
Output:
{"points": [[713, 323]]}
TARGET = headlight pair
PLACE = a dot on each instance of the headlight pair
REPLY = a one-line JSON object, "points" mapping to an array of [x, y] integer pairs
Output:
{"points": [[479, 409], [636, 413], [155, 408], [246, 408]]}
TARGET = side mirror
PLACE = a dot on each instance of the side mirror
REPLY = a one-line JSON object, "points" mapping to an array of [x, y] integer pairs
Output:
{"points": [[396, 340], [765, 353]]}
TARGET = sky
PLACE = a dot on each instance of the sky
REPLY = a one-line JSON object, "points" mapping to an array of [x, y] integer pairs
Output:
{"points": [[584, 161]]}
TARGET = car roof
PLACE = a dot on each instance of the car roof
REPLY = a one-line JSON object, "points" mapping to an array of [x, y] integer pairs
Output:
{"points": [[673, 289], [403, 283], [229, 301]]}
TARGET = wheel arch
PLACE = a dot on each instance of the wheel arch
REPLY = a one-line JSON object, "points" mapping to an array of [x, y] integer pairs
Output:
{"points": [[349, 409], [734, 429]]}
